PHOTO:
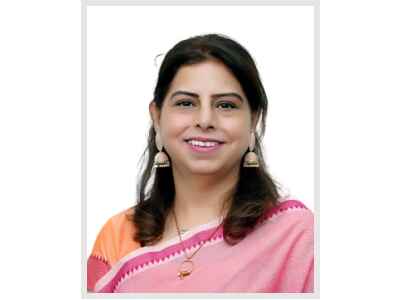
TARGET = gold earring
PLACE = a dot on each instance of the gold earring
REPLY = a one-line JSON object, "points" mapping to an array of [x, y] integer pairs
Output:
{"points": [[251, 158], [161, 159]]}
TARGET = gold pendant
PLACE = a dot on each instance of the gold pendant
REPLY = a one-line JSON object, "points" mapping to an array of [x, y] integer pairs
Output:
{"points": [[185, 269]]}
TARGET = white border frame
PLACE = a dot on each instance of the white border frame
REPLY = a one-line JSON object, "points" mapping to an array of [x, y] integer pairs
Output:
{"points": [[316, 5]]}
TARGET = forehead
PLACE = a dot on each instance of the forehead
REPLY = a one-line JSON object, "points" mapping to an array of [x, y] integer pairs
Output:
{"points": [[206, 77]]}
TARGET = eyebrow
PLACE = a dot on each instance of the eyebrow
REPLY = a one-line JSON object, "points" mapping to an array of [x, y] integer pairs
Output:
{"points": [[213, 95]]}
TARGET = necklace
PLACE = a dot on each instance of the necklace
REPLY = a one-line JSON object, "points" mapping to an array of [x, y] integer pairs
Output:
{"points": [[187, 265]]}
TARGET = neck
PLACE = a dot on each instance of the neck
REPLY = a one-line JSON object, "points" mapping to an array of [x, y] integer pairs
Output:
{"points": [[200, 199]]}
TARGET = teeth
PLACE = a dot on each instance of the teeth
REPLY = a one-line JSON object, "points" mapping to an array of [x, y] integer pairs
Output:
{"points": [[202, 144]]}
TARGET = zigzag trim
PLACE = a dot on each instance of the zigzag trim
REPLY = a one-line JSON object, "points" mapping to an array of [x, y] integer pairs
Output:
{"points": [[284, 206], [99, 258]]}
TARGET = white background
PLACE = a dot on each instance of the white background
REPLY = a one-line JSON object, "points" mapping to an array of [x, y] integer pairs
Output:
{"points": [[122, 47], [40, 149]]}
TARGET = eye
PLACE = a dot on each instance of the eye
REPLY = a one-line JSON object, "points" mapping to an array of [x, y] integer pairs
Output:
{"points": [[184, 103], [227, 105]]}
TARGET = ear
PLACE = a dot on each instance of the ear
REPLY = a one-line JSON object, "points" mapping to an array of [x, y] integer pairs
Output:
{"points": [[155, 115]]}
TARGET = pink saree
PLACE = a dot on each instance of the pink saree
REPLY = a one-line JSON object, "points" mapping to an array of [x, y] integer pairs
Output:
{"points": [[276, 257]]}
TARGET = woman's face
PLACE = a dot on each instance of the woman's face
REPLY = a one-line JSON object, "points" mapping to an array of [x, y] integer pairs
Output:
{"points": [[196, 108]]}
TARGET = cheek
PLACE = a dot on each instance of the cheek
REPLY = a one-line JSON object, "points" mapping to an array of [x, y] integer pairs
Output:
{"points": [[173, 127], [238, 129]]}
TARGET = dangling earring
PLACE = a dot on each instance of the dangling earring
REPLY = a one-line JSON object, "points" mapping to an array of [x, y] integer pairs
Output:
{"points": [[161, 159], [251, 158]]}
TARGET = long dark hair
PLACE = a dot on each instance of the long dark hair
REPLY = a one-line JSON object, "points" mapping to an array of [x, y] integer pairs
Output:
{"points": [[255, 191]]}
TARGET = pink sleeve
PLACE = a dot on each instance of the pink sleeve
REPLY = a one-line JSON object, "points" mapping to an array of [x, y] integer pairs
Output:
{"points": [[309, 282], [302, 256], [296, 273], [112, 243], [97, 267], [98, 263]]}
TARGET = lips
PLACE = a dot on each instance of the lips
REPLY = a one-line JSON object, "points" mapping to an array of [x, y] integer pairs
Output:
{"points": [[204, 145], [204, 148], [204, 140]]}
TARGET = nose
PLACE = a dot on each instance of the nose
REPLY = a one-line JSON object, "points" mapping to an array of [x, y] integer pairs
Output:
{"points": [[205, 117]]}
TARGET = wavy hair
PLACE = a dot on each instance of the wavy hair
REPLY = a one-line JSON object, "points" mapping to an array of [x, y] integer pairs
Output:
{"points": [[255, 191]]}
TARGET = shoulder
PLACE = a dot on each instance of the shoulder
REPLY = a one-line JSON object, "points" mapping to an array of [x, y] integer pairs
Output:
{"points": [[114, 241], [292, 223], [115, 238], [120, 220], [290, 228], [291, 211]]}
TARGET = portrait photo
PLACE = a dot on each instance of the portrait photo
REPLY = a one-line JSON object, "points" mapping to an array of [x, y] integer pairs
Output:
{"points": [[200, 162]]}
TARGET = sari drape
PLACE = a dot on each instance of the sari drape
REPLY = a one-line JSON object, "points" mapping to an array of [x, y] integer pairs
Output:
{"points": [[278, 256]]}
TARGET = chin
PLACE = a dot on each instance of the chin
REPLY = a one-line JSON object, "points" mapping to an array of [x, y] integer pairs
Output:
{"points": [[205, 168], [204, 172]]}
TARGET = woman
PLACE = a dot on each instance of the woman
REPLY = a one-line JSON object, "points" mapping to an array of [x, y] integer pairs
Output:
{"points": [[209, 218]]}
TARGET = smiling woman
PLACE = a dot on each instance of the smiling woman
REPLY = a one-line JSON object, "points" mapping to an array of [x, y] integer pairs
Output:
{"points": [[209, 217]]}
